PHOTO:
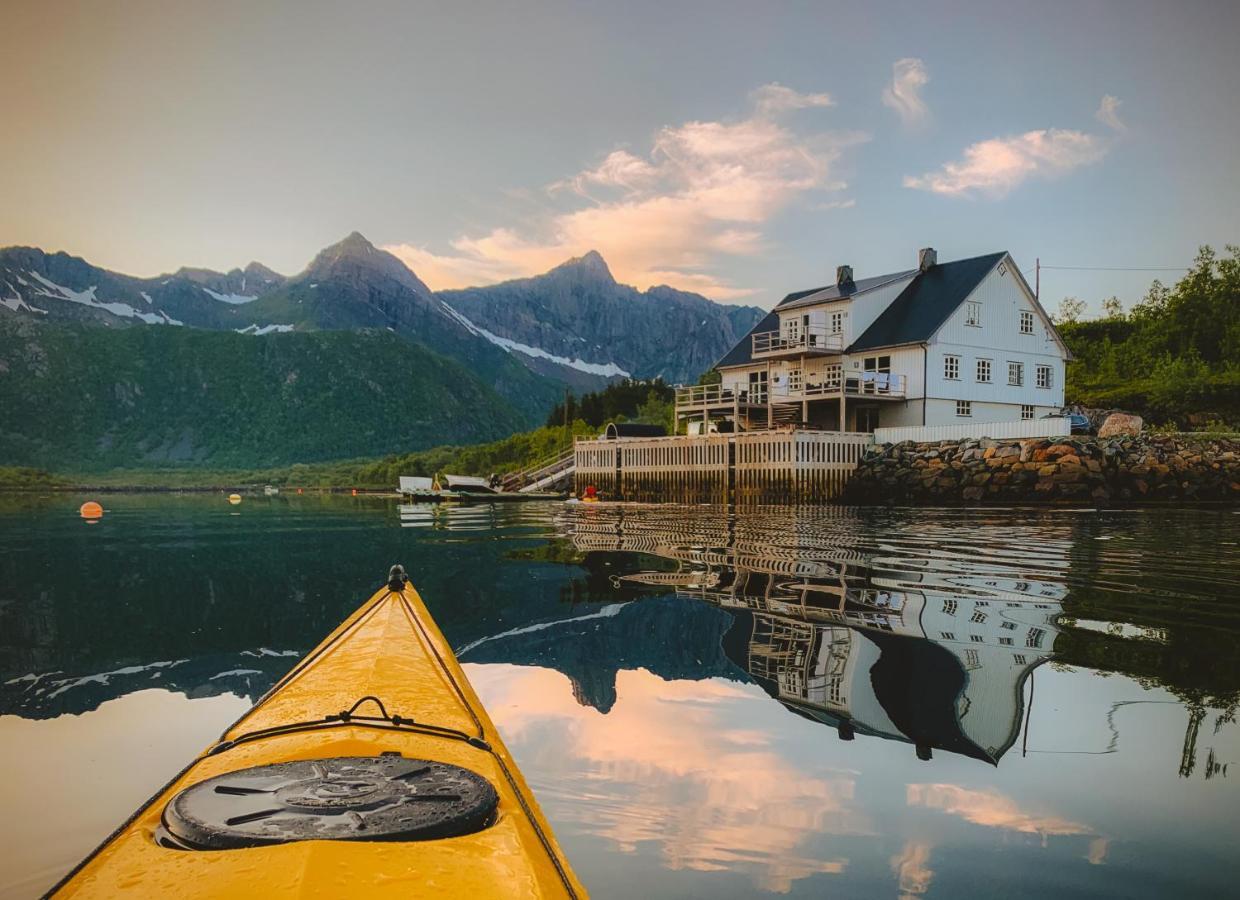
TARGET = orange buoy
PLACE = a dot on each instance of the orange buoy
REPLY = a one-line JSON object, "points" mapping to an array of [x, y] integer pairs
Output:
{"points": [[299, 490], [91, 510], [234, 499], [355, 492]]}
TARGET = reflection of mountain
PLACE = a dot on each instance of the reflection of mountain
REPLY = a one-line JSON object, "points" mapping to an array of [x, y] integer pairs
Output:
{"points": [[675, 640], [50, 694], [882, 648]]}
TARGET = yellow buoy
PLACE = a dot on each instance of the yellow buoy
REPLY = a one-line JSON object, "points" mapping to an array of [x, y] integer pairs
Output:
{"points": [[234, 499], [91, 510]]}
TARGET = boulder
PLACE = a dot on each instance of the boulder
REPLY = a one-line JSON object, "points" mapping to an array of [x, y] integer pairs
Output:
{"points": [[1118, 424]]}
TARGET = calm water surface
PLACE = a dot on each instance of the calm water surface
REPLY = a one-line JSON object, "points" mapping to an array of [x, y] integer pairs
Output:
{"points": [[707, 702]]}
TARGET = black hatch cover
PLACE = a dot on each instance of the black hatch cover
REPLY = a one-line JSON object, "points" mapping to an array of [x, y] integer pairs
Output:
{"points": [[348, 798]]}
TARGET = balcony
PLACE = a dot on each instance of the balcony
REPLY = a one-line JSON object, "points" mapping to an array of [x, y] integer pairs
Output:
{"points": [[876, 385], [724, 398], [701, 397], [815, 340]]}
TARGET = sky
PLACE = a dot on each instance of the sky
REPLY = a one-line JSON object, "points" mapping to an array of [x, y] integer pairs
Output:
{"points": [[741, 150]]}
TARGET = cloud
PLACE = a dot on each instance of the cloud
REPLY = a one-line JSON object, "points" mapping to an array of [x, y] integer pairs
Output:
{"points": [[776, 98], [908, 77], [668, 767], [703, 192], [1108, 113], [912, 867], [995, 167], [989, 808]]}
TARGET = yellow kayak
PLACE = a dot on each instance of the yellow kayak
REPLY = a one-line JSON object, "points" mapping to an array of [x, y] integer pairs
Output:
{"points": [[370, 770]]}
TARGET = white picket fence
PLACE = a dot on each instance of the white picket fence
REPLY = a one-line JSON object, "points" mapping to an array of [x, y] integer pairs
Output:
{"points": [[1027, 428]]}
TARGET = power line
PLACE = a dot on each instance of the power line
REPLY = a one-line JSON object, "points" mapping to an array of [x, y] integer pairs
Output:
{"points": [[1121, 268]]}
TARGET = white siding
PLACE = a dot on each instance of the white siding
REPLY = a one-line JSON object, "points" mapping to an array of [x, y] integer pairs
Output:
{"points": [[943, 412], [999, 429], [998, 339], [906, 361]]}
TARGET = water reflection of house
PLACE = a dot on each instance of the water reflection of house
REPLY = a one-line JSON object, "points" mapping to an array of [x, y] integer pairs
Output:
{"points": [[862, 644]]}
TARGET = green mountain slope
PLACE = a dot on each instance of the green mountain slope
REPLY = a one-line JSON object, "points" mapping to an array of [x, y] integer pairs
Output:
{"points": [[82, 397]]}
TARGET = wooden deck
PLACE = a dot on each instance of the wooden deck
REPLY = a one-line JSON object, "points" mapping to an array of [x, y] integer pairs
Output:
{"points": [[761, 466]]}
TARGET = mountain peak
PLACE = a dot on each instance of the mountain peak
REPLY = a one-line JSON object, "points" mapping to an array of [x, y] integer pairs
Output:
{"points": [[354, 256], [589, 265]]}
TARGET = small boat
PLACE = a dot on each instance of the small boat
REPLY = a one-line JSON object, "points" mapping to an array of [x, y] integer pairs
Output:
{"points": [[270, 490], [369, 770], [423, 490], [472, 489]]}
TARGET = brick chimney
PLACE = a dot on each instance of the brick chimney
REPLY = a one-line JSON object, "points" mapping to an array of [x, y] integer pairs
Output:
{"points": [[844, 277], [927, 258]]}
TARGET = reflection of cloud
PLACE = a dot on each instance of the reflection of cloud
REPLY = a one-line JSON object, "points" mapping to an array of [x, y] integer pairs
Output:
{"points": [[667, 767], [912, 867], [705, 190], [989, 808], [996, 166], [1098, 849]]}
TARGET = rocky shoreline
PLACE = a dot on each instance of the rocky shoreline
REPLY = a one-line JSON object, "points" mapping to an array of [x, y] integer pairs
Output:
{"points": [[1129, 469]]}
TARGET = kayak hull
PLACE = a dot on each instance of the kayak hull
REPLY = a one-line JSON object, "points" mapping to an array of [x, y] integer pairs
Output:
{"points": [[390, 650]]}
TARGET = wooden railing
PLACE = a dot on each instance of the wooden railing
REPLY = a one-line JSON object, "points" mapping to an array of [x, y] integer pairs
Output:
{"points": [[810, 464], [851, 384], [700, 396], [814, 339]]}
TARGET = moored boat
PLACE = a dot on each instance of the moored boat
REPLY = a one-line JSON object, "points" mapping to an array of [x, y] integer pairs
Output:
{"points": [[369, 770]]}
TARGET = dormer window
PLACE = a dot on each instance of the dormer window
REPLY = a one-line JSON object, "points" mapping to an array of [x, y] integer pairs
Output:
{"points": [[973, 314]]}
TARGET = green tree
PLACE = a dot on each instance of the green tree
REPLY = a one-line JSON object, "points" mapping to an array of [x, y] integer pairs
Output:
{"points": [[1070, 310]]}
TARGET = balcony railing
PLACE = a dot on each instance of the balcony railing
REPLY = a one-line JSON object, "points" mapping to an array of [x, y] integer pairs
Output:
{"points": [[880, 385], [717, 395], [883, 385], [812, 340]]}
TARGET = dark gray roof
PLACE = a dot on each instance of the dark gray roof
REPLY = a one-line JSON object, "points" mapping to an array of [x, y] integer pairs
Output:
{"points": [[926, 303], [919, 310], [835, 292], [743, 351]]}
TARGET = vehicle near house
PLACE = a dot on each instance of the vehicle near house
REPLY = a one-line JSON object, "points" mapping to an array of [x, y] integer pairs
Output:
{"points": [[940, 344]]}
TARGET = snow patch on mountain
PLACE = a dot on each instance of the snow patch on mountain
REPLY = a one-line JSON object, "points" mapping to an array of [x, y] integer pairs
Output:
{"points": [[16, 303], [87, 298], [607, 370], [260, 330], [234, 299]]}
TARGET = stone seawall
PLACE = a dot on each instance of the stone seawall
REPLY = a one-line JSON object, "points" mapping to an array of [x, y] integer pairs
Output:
{"points": [[1078, 469]]}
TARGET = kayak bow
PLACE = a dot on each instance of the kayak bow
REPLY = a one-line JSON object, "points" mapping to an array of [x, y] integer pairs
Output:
{"points": [[371, 769]]}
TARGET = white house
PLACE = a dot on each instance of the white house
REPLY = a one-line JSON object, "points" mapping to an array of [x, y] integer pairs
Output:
{"points": [[944, 343]]}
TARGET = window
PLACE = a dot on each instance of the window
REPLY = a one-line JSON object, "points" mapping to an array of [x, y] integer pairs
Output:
{"points": [[973, 314], [837, 322], [1005, 642], [978, 616], [976, 638], [1043, 376], [1034, 638], [1010, 626], [983, 371], [1018, 658], [951, 368], [1026, 411], [947, 635], [1026, 322], [949, 606], [964, 408], [972, 660], [1016, 374]]}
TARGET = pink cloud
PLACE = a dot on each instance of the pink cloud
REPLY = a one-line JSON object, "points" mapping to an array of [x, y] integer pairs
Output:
{"points": [[666, 765], [989, 808], [995, 167], [704, 192]]}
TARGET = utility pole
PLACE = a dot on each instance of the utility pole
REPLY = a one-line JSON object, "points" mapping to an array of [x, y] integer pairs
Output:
{"points": [[1037, 279]]}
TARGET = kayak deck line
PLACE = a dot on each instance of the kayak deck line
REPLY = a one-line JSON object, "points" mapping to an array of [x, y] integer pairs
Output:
{"points": [[388, 654]]}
